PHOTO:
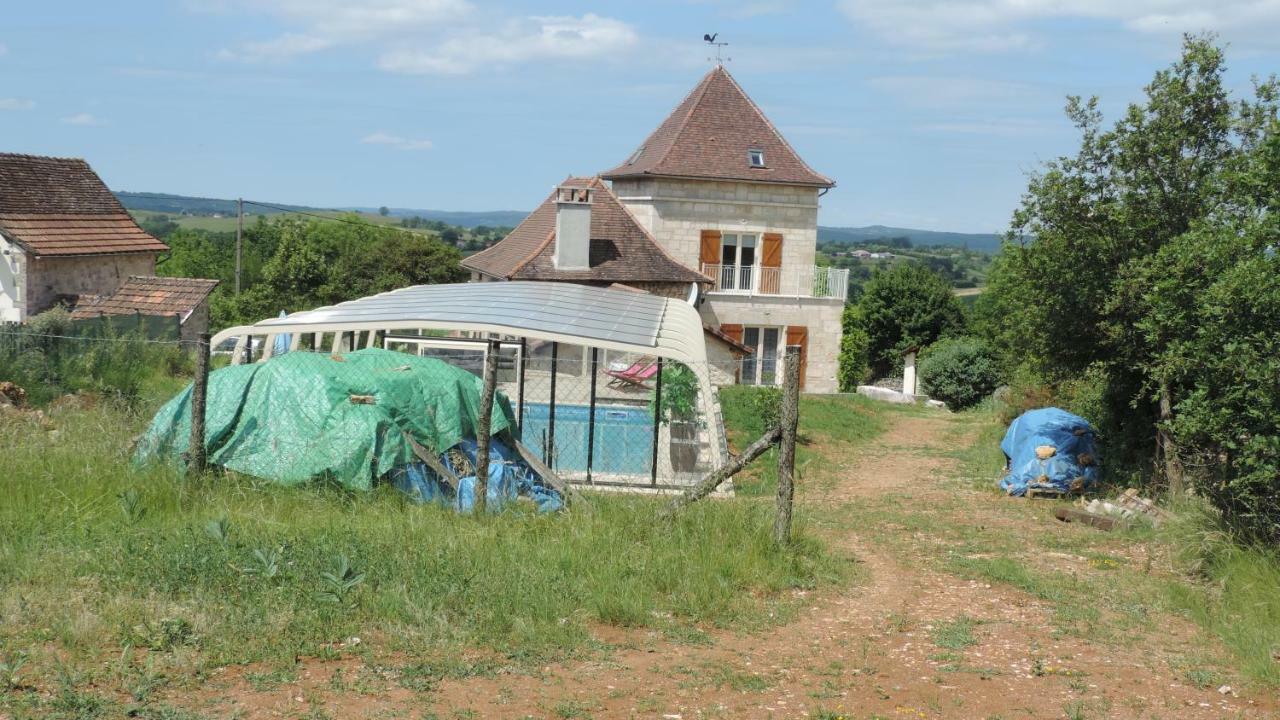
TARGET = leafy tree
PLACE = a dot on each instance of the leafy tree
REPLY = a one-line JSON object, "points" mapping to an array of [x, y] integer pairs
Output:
{"points": [[1063, 297], [384, 211], [907, 306], [1210, 301], [322, 262]]}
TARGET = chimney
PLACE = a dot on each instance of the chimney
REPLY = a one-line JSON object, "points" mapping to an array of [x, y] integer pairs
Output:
{"points": [[573, 228]]}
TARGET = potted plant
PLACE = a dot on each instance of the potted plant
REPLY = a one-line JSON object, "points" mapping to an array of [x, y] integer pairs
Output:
{"points": [[679, 410]]}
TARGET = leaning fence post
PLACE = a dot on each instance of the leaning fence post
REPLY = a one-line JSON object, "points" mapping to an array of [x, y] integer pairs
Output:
{"points": [[484, 427], [199, 386], [789, 420]]}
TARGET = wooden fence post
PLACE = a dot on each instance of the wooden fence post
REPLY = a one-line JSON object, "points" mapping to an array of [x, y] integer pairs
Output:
{"points": [[199, 386], [789, 420], [484, 427]]}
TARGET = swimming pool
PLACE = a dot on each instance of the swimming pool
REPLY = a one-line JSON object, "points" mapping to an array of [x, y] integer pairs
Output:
{"points": [[623, 437]]}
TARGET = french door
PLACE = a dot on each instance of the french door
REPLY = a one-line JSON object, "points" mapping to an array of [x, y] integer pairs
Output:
{"points": [[761, 366]]}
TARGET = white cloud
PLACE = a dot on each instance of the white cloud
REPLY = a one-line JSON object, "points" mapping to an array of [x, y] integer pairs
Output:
{"points": [[423, 37], [529, 39], [323, 24], [945, 26], [395, 141], [16, 103], [285, 46], [83, 119]]}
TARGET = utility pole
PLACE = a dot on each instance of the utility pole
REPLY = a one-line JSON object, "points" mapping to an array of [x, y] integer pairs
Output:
{"points": [[239, 234]]}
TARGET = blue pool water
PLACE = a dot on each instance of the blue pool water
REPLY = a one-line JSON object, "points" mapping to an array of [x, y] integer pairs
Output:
{"points": [[624, 437]]}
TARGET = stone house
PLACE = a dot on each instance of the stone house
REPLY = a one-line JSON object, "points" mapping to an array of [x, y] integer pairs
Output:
{"points": [[721, 190], [63, 236], [715, 207]]}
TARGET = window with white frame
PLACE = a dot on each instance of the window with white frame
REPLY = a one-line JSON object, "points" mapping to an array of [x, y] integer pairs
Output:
{"points": [[737, 260], [756, 157], [761, 366]]}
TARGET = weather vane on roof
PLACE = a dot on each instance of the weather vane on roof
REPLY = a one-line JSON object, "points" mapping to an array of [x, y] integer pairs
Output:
{"points": [[719, 46]]}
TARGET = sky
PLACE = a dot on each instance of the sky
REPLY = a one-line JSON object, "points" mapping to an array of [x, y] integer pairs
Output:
{"points": [[929, 114]]}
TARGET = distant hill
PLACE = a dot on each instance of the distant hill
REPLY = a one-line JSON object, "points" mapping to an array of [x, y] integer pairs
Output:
{"points": [[461, 218], [983, 242], [186, 205], [183, 204]]}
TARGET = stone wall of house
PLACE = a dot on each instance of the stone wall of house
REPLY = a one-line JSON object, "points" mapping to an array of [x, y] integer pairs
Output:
{"points": [[723, 362], [820, 315], [13, 264], [197, 322], [677, 211], [47, 278]]}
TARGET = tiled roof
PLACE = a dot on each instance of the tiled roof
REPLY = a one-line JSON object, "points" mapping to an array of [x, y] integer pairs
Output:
{"points": [[59, 206], [621, 250], [737, 347], [150, 296], [709, 135]]}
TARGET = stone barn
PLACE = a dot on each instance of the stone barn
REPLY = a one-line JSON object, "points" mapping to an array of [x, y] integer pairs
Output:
{"points": [[63, 236]]}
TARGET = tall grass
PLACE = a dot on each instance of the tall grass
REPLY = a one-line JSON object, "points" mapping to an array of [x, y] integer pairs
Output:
{"points": [[96, 555], [840, 421], [1238, 597], [51, 356]]}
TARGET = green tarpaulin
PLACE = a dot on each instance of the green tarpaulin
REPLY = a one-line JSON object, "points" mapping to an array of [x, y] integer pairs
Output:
{"points": [[293, 418]]}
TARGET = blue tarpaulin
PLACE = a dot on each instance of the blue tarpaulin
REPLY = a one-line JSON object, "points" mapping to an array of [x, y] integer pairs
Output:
{"points": [[509, 477], [1067, 460]]}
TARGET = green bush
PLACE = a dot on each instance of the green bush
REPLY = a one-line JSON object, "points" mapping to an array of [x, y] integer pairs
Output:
{"points": [[958, 371], [908, 306], [854, 350]]}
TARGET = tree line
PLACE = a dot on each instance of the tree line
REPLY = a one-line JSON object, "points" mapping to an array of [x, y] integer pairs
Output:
{"points": [[1138, 286], [290, 263]]}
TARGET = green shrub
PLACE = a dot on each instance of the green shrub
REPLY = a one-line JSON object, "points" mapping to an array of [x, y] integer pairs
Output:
{"points": [[854, 350], [958, 371]]}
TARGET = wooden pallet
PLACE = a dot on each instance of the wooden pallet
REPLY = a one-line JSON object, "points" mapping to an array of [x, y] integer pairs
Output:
{"points": [[1046, 492]]}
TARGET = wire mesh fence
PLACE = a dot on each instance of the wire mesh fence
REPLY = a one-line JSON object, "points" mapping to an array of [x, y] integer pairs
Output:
{"points": [[594, 416]]}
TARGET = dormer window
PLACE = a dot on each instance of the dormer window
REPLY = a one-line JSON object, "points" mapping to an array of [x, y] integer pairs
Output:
{"points": [[755, 156]]}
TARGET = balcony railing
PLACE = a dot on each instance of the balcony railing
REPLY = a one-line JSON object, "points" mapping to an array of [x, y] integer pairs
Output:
{"points": [[809, 281]]}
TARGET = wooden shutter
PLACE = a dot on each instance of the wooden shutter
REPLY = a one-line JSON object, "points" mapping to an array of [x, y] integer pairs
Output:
{"points": [[771, 264], [799, 335], [710, 251], [771, 252], [735, 333]]}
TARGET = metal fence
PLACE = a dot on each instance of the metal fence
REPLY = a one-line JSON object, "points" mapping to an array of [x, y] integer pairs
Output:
{"points": [[597, 417]]}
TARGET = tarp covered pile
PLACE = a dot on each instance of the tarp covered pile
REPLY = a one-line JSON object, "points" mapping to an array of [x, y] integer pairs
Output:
{"points": [[1050, 449], [303, 416]]}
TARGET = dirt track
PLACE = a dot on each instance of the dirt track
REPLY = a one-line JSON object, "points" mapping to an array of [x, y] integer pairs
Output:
{"points": [[905, 640]]}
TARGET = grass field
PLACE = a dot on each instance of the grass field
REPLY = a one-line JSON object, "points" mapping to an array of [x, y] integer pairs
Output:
{"points": [[111, 574], [832, 420], [131, 591]]}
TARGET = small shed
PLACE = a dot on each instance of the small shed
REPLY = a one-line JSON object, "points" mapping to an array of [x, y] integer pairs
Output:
{"points": [[184, 299]]}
